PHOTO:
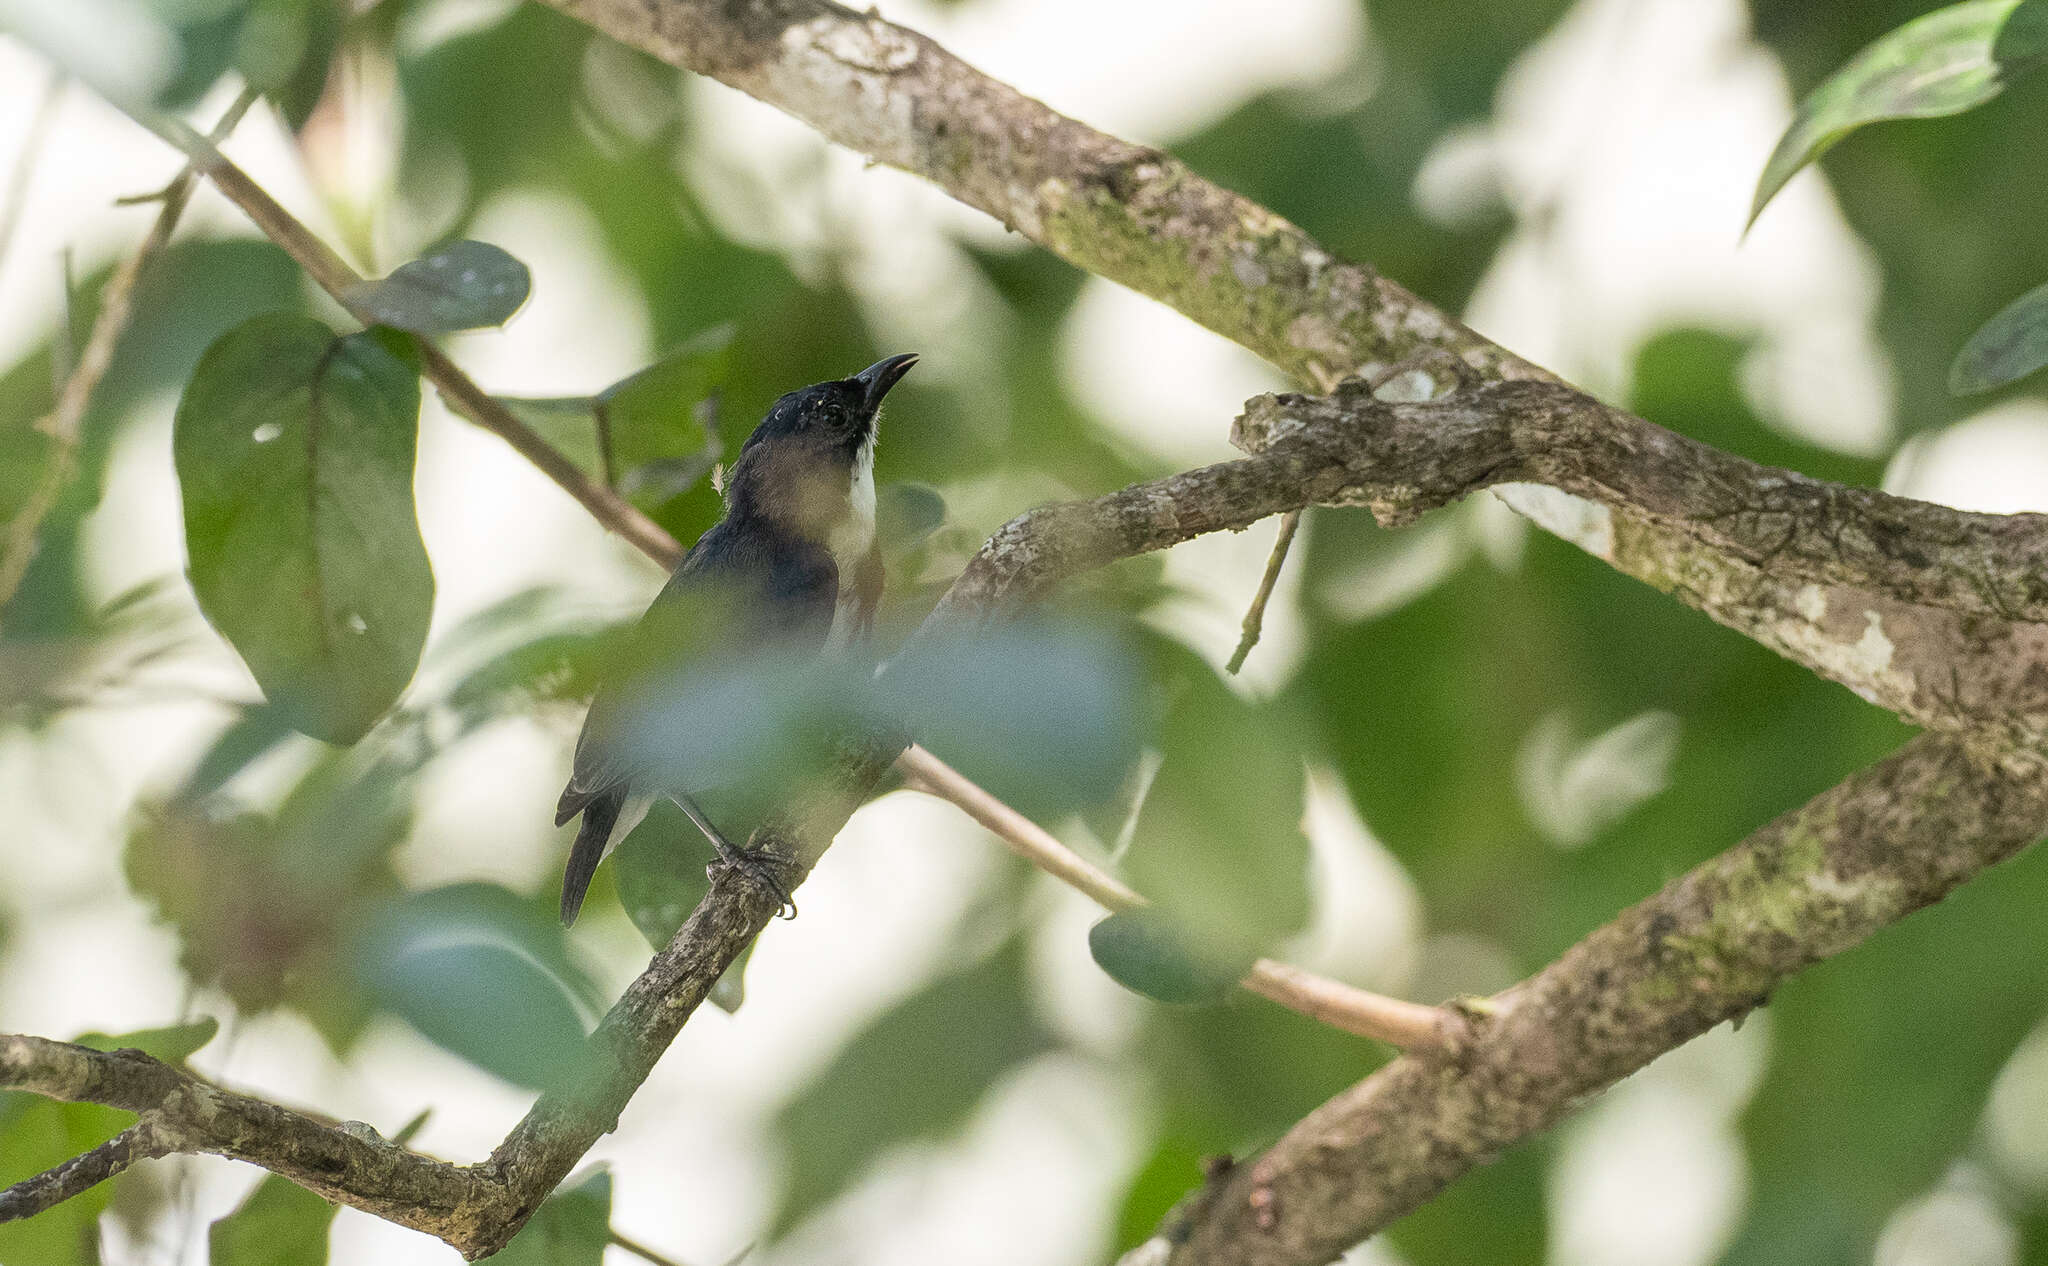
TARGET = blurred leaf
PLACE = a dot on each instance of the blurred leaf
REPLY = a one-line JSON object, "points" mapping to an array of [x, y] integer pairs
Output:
{"points": [[906, 515], [914, 1074], [465, 285], [658, 446], [273, 936], [1172, 1171], [295, 455], [38, 1133], [1946, 62], [279, 1223], [1044, 713], [1146, 952], [659, 870], [173, 1044], [478, 971], [571, 1227], [1218, 842], [282, 48], [2010, 346]]}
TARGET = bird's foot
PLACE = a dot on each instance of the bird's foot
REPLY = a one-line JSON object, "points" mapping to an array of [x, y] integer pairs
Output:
{"points": [[761, 868]]}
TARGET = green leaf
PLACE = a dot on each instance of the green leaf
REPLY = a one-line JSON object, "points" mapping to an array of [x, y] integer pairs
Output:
{"points": [[1044, 713], [913, 1074], [1949, 61], [1218, 841], [2010, 346], [659, 870], [906, 515], [465, 285], [173, 1044], [279, 1224], [295, 457], [571, 1227], [478, 971], [662, 447], [37, 1133], [1146, 952]]}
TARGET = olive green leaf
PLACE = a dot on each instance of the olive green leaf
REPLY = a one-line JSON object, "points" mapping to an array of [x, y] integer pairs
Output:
{"points": [[1949, 61], [294, 453], [2006, 349]]}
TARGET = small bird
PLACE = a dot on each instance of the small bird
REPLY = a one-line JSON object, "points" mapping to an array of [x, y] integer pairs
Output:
{"points": [[793, 566]]}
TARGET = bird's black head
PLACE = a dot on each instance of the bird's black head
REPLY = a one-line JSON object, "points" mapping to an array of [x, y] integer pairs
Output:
{"points": [[798, 465], [840, 413]]}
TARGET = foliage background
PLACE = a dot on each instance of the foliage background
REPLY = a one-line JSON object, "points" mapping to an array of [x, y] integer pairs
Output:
{"points": [[1503, 742]]}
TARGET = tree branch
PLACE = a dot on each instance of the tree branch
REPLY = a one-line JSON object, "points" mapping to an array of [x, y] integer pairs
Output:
{"points": [[1407, 1025], [117, 304], [52, 1187], [1143, 218], [1710, 947], [326, 267]]}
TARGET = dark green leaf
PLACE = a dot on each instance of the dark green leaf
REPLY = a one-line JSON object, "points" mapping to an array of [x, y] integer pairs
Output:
{"points": [[905, 515], [465, 285], [914, 1074], [2010, 346], [279, 1224], [1046, 714], [1218, 842], [295, 456], [571, 1227], [1944, 63], [1146, 952], [662, 440], [480, 972]]}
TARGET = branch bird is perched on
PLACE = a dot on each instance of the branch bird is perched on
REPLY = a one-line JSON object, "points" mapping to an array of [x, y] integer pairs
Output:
{"points": [[793, 567]]}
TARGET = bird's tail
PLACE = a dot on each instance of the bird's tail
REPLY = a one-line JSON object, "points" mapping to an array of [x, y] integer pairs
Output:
{"points": [[593, 841]]}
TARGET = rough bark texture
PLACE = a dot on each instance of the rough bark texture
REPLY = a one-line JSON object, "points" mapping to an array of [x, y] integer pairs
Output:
{"points": [[1935, 614], [1710, 947]]}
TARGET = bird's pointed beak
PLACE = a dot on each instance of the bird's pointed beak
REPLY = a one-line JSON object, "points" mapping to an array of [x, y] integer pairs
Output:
{"points": [[877, 378]]}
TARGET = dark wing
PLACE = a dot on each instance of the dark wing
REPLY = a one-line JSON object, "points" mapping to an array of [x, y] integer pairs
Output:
{"points": [[767, 589]]}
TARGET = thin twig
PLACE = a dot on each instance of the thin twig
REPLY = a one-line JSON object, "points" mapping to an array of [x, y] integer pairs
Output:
{"points": [[640, 1250], [337, 278], [117, 303], [1255, 615], [54, 1186], [25, 160], [1408, 1025]]}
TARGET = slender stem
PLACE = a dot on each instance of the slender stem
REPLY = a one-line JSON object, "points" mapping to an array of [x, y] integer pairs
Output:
{"points": [[338, 279], [641, 1251], [117, 303], [1408, 1025], [1255, 616]]}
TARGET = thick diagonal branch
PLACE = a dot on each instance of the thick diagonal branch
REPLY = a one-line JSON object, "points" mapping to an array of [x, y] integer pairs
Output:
{"points": [[1710, 947], [1143, 218]]}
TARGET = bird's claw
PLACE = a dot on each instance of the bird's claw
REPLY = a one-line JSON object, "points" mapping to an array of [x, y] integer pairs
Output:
{"points": [[760, 869]]}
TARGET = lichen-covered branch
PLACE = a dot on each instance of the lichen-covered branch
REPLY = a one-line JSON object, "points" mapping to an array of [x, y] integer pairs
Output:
{"points": [[30, 1196], [1871, 590], [1710, 947], [1143, 218]]}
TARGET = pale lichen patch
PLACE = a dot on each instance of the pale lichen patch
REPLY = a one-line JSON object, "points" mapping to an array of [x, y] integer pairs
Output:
{"points": [[1586, 524]]}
